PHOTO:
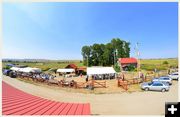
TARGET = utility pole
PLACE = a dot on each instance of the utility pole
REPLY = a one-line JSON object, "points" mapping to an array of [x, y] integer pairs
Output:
{"points": [[87, 62], [115, 54], [137, 55]]}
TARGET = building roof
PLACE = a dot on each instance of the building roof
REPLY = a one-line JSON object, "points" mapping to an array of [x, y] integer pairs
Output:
{"points": [[71, 66], [17, 102], [127, 60]]}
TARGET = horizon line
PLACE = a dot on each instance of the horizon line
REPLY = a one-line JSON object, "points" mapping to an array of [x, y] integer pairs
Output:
{"points": [[74, 59]]}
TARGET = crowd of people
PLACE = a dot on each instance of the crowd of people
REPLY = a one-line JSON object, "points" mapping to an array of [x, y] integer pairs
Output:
{"points": [[14, 74], [44, 76], [103, 76]]}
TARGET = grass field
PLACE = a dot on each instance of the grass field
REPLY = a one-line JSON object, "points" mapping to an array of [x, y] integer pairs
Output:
{"points": [[47, 65], [159, 64], [146, 64]]}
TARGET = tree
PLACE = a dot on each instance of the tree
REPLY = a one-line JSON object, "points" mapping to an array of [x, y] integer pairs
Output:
{"points": [[86, 51], [117, 67], [165, 63], [103, 54], [131, 68]]}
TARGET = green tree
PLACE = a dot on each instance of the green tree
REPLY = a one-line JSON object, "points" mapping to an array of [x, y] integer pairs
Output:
{"points": [[103, 54], [131, 68], [117, 67], [86, 51], [165, 62]]}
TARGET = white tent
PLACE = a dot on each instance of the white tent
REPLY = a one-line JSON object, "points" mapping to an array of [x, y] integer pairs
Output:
{"points": [[65, 70], [100, 70], [27, 69], [36, 70], [15, 68]]}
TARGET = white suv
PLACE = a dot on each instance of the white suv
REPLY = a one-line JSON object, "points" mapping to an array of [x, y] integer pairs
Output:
{"points": [[174, 76]]}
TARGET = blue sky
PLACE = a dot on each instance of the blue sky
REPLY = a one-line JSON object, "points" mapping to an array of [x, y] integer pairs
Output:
{"points": [[59, 30]]}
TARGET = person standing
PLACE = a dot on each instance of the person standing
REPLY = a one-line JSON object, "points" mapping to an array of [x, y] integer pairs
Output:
{"points": [[87, 78], [123, 77]]}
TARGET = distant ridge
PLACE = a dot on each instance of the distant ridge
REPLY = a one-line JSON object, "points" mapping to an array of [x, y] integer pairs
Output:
{"points": [[157, 58], [34, 60]]}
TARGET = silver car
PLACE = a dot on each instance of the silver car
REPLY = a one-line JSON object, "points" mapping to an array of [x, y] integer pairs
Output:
{"points": [[174, 76], [155, 86], [165, 79]]}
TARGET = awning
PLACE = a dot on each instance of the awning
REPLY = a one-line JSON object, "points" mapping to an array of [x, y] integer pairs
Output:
{"points": [[65, 70], [100, 70]]}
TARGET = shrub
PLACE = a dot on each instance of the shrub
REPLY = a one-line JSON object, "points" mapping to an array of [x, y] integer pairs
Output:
{"points": [[131, 68], [117, 68], [165, 63], [45, 69], [84, 73], [149, 67], [6, 67]]}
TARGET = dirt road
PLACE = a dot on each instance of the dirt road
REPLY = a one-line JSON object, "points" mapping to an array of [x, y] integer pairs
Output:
{"points": [[137, 103]]}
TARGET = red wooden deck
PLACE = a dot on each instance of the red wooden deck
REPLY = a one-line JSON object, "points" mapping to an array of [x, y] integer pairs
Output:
{"points": [[17, 102]]}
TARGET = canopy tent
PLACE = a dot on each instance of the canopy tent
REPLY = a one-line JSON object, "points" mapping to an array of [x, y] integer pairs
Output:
{"points": [[36, 70], [100, 70], [15, 68], [65, 70], [27, 69]]}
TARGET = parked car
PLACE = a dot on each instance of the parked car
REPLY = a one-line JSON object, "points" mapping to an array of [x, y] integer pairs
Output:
{"points": [[155, 86], [12, 74], [6, 72], [165, 79], [174, 76]]}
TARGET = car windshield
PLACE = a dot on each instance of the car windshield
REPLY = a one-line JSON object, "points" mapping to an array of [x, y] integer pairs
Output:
{"points": [[150, 83], [174, 73], [157, 84]]}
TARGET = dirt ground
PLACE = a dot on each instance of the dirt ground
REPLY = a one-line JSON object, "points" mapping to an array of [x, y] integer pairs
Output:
{"points": [[122, 103]]}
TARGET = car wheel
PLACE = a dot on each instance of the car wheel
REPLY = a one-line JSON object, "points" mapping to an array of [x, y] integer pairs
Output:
{"points": [[146, 89], [163, 90], [169, 83]]}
